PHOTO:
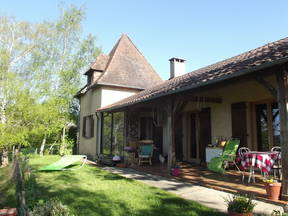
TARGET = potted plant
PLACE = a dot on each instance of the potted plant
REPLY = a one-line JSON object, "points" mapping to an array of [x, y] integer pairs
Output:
{"points": [[175, 170], [8, 212], [278, 213], [273, 188], [239, 205]]}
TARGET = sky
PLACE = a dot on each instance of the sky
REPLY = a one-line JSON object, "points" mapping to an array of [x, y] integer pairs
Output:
{"points": [[201, 32]]}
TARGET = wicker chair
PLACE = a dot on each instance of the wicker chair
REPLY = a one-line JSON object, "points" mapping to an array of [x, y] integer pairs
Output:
{"points": [[277, 167]]}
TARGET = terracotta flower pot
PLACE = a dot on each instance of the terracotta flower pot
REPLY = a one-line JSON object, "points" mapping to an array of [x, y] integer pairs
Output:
{"points": [[8, 212], [273, 190], [121, 165], [239, 214]]}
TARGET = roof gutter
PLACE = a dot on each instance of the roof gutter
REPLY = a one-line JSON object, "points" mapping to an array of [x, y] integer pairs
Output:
{"points": [[217, 80], [117, 85]]}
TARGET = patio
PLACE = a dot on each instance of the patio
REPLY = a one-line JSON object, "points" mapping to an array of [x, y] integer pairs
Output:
{"points": [[229, 182]]}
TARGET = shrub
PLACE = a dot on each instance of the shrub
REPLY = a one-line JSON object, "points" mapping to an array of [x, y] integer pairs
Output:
{"points": [[278, 213], [51, 208], [240, 204]]}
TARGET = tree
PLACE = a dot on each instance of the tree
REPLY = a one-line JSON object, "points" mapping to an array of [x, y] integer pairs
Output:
{"points": [[40, 72]]}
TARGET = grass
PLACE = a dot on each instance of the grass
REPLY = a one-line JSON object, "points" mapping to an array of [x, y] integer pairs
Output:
{"points": [[7, 188], [92, 191]]}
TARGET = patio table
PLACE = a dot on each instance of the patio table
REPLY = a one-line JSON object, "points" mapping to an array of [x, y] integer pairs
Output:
{"points": [[262, 160]]}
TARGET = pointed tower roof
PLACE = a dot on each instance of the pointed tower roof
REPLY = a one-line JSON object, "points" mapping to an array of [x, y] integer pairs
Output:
{"points": [[125, 66]]}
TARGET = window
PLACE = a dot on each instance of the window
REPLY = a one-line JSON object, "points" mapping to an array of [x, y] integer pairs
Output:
{"points": [[146, 128], [89, 79], [88, 126], [267, 125]]}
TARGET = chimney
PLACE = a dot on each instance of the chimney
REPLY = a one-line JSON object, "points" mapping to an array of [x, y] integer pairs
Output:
{"points": [[177, 67]]}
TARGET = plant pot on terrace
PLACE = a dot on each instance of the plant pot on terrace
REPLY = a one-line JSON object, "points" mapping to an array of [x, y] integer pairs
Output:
{"points": [[273, 190], [175, 171], [121, 165]]}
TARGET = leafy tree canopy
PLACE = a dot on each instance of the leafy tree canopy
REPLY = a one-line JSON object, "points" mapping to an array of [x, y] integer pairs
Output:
{"points": [[40, 72]]}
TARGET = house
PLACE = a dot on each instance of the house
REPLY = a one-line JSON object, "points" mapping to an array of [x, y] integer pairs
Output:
{"points": [[121, 73], [244, 96]]}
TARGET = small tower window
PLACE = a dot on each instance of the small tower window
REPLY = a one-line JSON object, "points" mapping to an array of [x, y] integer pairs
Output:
{"points": [[89, 79]]}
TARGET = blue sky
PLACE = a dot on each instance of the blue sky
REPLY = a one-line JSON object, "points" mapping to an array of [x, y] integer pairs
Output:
{"points": [[202, 32]]}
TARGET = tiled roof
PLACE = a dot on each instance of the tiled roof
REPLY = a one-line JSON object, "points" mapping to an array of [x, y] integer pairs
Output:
{"points": [[125, 66], [100, 63], [128, 67], [244, 63]]}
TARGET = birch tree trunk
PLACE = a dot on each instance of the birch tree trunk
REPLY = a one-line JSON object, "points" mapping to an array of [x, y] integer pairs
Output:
{"points": [[2, 109], [51, 148], [4, 158], [62, 147], [13, 153], [43, 145]]}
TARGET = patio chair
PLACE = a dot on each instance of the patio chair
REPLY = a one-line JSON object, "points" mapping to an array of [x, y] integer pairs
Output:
{"points": [[276, 148], [241, 152], [220, 163], [145, 153], [277, 167]]}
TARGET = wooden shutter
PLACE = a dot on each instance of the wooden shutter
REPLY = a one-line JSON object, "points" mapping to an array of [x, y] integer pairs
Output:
{"points": [[92, 126], [84, 127], [178, 138], [204, 132], [239, 122]]}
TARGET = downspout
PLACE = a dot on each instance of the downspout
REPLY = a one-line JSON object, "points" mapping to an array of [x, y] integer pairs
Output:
{"points": [[111, 133], [78, 128], [97, 130]]}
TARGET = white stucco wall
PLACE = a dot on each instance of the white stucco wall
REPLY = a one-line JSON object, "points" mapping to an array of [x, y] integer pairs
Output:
{"points": [[111, 95]]}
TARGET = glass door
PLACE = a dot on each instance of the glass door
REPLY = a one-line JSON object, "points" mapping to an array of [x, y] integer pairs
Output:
{"points": [[276, 124]]}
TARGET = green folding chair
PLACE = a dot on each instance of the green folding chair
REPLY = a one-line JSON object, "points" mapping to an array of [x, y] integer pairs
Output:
{"points": [[218, 164], [64, 162]]}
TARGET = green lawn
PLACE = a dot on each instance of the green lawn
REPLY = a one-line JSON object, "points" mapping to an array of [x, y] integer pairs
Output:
{"points": [[7, 188], [92, 191]]}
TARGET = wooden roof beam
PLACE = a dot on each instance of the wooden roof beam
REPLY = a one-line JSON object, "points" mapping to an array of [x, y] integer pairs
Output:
{"points": [[267, 85], [202, 99]]}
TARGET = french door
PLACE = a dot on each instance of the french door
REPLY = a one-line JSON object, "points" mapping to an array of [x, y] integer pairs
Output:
{"points": [[200, 135]]}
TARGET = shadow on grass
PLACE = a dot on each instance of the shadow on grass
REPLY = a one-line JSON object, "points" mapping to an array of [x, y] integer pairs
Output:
{"points": [[179, 207], [80, 201]]}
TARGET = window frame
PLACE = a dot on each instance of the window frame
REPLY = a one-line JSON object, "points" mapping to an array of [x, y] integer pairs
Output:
{"points": [[90, 127]]}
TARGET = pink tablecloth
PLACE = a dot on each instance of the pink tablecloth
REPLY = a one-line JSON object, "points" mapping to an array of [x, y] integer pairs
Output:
{"points": [[261, 160]]}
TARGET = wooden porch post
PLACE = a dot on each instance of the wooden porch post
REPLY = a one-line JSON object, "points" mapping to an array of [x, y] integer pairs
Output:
{"points": [[170, 132], [282, 93], [173, 110]]}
